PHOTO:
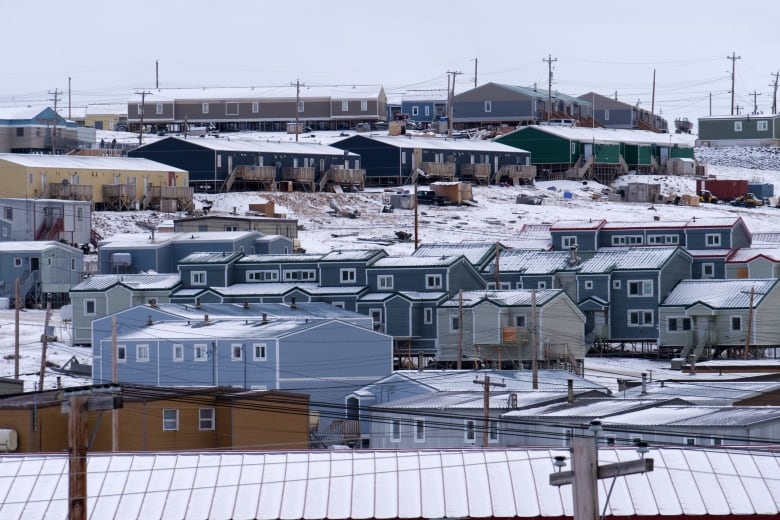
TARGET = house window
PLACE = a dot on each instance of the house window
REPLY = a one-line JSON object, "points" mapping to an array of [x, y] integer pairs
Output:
{"points": [[72, 264], [716, 441], [20, 132], [736, 323], [636, 439], [255, 107], [345, 105], [231, 108], [89, 307], [8, 213], [488, 106], [395, 435], [262, 276], [201, 351], [568, 435], [678, 324], [469, 430], [258, 352], [616, 284], [606, 115], [339, 305], [708, 270], [492, 430], [198, 277], [236, 351], [639, 288], [505, 286], [79, 213], [427, 315], [762, 126], [454, 323], [737, 126], [17, 262], [363, 105], [376, 318], [569, 242], [419, 430], [121, 353], [491, 286], [204, 108], [609, 440], [663, 239], [170, 420], [178, 352], [712, 240], [433, 281], [415, 110], [348, 275], [231, 228], [48, 261], [588, 285], [541, 284], [142, 353], [427, 111], [622, 240], [640, 318], [139, 109], [206, 418], [690, 441], [158, 108], [385, 281], [520, 320], [300, 106], [307, 274], [519, 285]]}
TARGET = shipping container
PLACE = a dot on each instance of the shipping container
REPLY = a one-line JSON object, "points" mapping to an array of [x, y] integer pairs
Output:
{"points": [[762, 190], [725, 189]]}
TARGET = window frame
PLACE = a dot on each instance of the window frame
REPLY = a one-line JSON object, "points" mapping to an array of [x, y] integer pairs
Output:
{"points": [[569, 241], [236, 351], [493, 431], [433, 281], [167, 420], [488, 106], [737, 126], [427, 315], [762, 126], [198, 278], [264, 349], [204, 108], [708, 270], [385, 281], [87, 302], [454, 323], [469, 431], [142, 353], [641, 315], [644, 288], [177, 352], [209, 422], [395, 430], [712, 240], [419, 429], [735, 320], [348, 275], [200, 352], [588, 285], [121, 353]]}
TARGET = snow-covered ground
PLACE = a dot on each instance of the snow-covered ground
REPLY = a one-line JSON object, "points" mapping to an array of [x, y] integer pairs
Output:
{"points": [[494, 217]]}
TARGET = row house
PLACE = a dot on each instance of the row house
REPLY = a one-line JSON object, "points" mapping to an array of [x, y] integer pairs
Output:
{"points": [[68, 221], [610, 112], [44, 270]]}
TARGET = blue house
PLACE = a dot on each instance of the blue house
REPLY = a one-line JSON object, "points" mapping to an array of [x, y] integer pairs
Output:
{"points": [[527, 269], [45, 270], [392, 159], [580, 234], [214, 164], [269, 346]]}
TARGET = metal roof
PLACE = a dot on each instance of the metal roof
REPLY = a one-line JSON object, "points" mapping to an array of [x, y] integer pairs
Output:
{"points": [[561, 225], [719, 294], [298, 258], [585, 408], [611, 135], [342, 484], [261, 288], [510, 298], [532, 262], [274, 92], [438, 143], [748, 253], [475, 252], [416, 261], [712, 392], [211, 258], [122, 240], [353, 255], [87, 162], [101, 282], [716, 416], [473, 400], [612, 259], [240, 311], [261, 146]]}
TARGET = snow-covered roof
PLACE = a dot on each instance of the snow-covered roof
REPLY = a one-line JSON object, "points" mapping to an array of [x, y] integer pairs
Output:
{"points": [[715, 416], [262, 146], [216, 328], [416, 261], [719, 294], [473, 400], [295, 258], [612, 135], [31, 246], [102, 109], [100, 282], [210, 258], [438, 143], [352, 255], [475, 252], [88, 162], [748, 254], [610, 259], [259, 289], [241, 311], [341, 484], [20, 113], [275, 92], [532, 262], [513, 298], [140, 239], [710, 392], [584, 408]]}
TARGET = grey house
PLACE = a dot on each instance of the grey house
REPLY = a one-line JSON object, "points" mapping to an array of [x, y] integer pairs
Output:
{"points": [[511, 327], [427, 408], [105, 294], [480, 254], [739, 130], [528, 269], [752, 262], [447, 274], [706, 318], [286, 227], [609, 112], [45, 270], [160, 252], [67, 221], [264, 351]]}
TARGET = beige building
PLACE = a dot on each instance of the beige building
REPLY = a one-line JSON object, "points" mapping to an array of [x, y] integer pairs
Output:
{"points": [[110, 183], [106, 116]]}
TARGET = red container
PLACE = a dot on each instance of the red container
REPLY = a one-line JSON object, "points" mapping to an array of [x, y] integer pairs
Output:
{"points": [[725, 189]]}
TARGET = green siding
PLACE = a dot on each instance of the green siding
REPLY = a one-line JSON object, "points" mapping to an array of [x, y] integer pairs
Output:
{"points": [[714, 129], [545, 148]]}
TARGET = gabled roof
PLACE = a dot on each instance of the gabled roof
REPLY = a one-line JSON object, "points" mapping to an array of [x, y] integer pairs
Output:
{"points": [[33, 246], [87, 162], [576, 225], [417, 261], [747, 254], [531, 262], [701, 391], [150, 282], [239, 311], [211, 258], [475, 252], [281, 258], [409, 142], [353, 255], [610, 259], [701, 416], [719, 294], [583, 408], [123, 240], [269, 93], [249, 145], [513, 298], [607, 135], [261, 288], [473, 400]]}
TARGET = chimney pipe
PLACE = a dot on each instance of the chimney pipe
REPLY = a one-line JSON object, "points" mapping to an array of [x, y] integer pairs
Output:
{"points": [[246, 304], [149, 321], [570, 386], [644, 383], [205, 318], [265, 318], [197, 303], [292, 303]]}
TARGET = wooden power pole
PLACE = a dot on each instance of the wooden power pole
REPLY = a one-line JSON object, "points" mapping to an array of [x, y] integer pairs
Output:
{"points": [[733, 59], [44, 341], [460, 330], [486, 384], [534, 349], [549, 60], [16, 330], [77, 436]]}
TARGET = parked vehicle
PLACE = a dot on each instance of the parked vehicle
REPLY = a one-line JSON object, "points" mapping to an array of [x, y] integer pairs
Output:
{"points": [[748, 200], [707, 196], [725, 190]]}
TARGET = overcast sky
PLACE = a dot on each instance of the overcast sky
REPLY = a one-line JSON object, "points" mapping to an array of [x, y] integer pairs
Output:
{"points": [[109, 49]]}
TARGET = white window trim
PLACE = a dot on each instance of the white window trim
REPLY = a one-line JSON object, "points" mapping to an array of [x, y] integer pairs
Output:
{"points": [[384, 281], [737, 126], [712, 240], [393, 423], [731, 323], [94, 307], [469, 431], [264, 348], [493, 431], [255, 107], [762, 126], [166, 421], [645, 288], [195, 275], [140, 350], [433, 281], [453, 319], [641, 314], [204, 108], [427, 315], [121, 354], [212, 420], [417, 422], [348, 275], [541, 284], [177, 351], [616, 284], [708, 266], [588, 285], [196, 348], [488, 106], [569, 241]]}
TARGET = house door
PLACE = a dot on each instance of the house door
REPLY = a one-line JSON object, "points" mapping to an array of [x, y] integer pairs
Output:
{"points": [[171, 179], [35, 264], [588, 150]]}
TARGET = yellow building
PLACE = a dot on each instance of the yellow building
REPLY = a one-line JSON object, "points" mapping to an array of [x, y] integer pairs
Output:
{"points": [[106, 116], [110, 183]]}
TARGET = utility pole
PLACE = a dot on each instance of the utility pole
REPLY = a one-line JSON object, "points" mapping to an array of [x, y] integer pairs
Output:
{"points": [[549, 60], [475, 72], [143, 94], [460, 330], [451, 100], [749, 330], [157, 74], [16, 331], [114, 380], [774, 92], [755, 101], [56, 99], [733, 59], [44, 341], [652, 106], [69, 116], [297, 106], [486, 384], [498, 268], [586, 472], [534, 353]]}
